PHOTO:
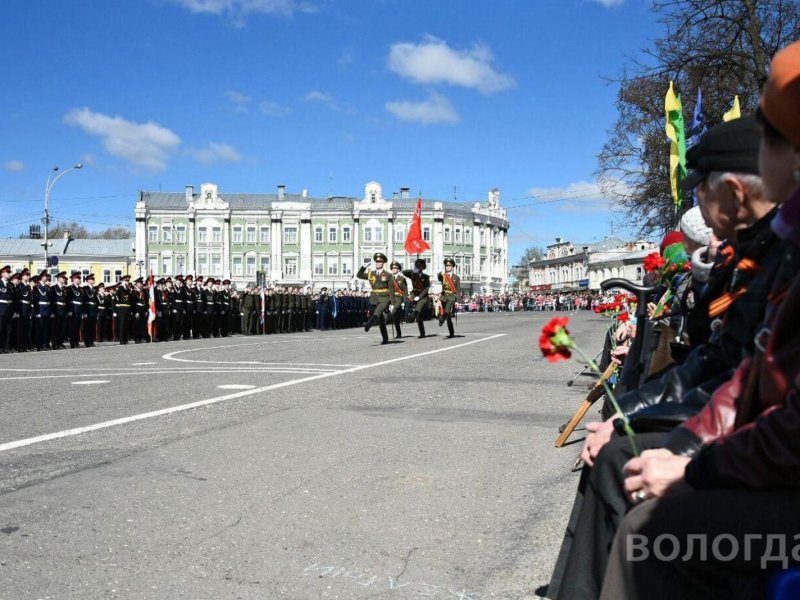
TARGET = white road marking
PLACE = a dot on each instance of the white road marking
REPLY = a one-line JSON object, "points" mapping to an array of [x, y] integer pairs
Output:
{"points": [[183, 407], [142, 363], [90, 382], [289, 370], [235, 386]]}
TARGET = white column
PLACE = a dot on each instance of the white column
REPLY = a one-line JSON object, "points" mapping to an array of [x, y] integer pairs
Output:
{"points": [[438, 242], [276, 258], [226, 247], [305, 248], [356, 233], [489, 258], [390, 240], [190, 237], [476, 250], [141, 246]]}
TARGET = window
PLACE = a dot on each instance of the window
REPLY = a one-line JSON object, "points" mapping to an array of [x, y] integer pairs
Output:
{"points": [[448, 238], [237, 266], [265, 264], [458, 235], [152, 233], [319, 266], [426, 233], [483, 237], [202, 234], [264, 235], [236, 237], [333, 232], [318, 234], [251, 264], [347, 266], [290, 266], [106, 276], [166, 265], [333, 266], [152, 264], [379, 233], [483, 267], [373, 198], [180, 235], [251, 234], [180, 263], [467, 267], [367, 234], [117, 275], [216, 234], [216, 264], [399, 233], [468, 235], [459, 262], [290, 237], [166, 234], [346, 235], [202, 264]]}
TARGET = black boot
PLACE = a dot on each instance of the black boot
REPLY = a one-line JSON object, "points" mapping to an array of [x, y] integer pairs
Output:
{"points": [[450, 328], [421, 326], [384, 334], [397, 329], [372, 320]]}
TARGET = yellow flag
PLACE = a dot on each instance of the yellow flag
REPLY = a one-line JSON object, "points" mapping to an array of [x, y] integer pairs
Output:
{"points": [[734, 112], [677, 150]]}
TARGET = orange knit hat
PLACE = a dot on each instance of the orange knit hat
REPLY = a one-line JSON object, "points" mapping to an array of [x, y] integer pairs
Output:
{"points": [[780, 101]]}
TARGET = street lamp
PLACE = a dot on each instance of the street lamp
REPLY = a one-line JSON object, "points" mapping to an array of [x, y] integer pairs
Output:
{"points": [[51, 181]]}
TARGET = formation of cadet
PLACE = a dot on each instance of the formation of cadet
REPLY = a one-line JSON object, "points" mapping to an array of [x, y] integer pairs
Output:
{"points": [[37, 314]]}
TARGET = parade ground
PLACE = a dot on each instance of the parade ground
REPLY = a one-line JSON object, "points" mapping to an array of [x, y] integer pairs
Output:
{"points": [[302, 466]]}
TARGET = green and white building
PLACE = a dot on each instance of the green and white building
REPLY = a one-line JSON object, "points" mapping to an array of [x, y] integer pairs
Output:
{"points": [[299, 240]]}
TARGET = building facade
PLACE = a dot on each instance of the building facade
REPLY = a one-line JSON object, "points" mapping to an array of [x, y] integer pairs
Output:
{"points": [[295, 239], [569, 266], [109, 260]]}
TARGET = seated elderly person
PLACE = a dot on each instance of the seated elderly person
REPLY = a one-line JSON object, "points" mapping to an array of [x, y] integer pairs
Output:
{"points": [[739, 209], [729, 513]]}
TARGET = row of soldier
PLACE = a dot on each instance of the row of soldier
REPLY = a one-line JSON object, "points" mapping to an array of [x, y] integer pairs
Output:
{"points": [[39, 314]]}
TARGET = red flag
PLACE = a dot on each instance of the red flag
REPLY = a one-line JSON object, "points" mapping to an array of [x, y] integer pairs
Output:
{"points": [[151, 317], [414, 242]]}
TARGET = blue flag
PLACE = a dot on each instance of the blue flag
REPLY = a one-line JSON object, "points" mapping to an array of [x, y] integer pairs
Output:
{"points": [[335, 308], [699, 124]]}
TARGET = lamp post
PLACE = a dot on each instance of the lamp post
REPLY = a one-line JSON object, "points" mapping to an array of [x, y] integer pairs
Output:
{"points": [[51, 181]]}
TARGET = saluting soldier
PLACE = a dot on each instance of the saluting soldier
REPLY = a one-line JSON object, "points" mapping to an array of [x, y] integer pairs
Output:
{"points": [[420, 284], [400, 293], [451, 291], [382, 294], [91, 306], [124, 297]]}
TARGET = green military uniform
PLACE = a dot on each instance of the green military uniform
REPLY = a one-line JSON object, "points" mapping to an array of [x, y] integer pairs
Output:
{"points": [[420, 284], [451, 291], [382, 294], [400, 292]]}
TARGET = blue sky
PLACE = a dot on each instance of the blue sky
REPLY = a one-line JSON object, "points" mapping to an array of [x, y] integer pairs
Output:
{"points": [[322, 95]]}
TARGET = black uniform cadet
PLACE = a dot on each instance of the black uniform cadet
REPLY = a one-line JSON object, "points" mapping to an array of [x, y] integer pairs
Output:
{"points": [[124, 298], [91, 305], [382, 293], [104, 313], [400, 293], [6, 300], [44, 311], [420, 284], [59, 301], [25, 321], [451, 290]]}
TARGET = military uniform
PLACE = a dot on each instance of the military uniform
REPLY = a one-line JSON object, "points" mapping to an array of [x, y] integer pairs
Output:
{"points": [[59, 301], [6, 310], [124, 297], [25, 321], [420, 284], [74, 298], [400, 293], [44, 312], [382, 294], [451, 291], [91, 307]]}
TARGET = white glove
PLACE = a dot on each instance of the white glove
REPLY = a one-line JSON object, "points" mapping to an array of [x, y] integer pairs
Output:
{"points": [[416, 298]]}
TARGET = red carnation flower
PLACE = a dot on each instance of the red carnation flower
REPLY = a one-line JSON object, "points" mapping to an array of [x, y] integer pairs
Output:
{"points": [[653, 261], [554, 342], [623, 316]]}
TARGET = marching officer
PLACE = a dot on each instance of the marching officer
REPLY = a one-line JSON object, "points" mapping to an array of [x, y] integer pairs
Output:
{"points": [[91, 307], [382, 294], [400, 293], [451, 291], [420, 284]]}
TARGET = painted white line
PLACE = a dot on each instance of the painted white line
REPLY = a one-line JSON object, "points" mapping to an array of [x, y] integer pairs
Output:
{"points": [[173, 355], [142, 363], [183, 407], [235, 386], [90, 382], [202, 371]]}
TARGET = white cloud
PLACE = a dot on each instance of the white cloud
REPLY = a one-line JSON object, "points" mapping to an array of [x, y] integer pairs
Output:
{"points": [[580, 196], [14, 165], [215, 152], [238, 102], [436, 109], [238, 10], [147, 145], [608, 3], [317, 96], [273, 109], [432, 61]]}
